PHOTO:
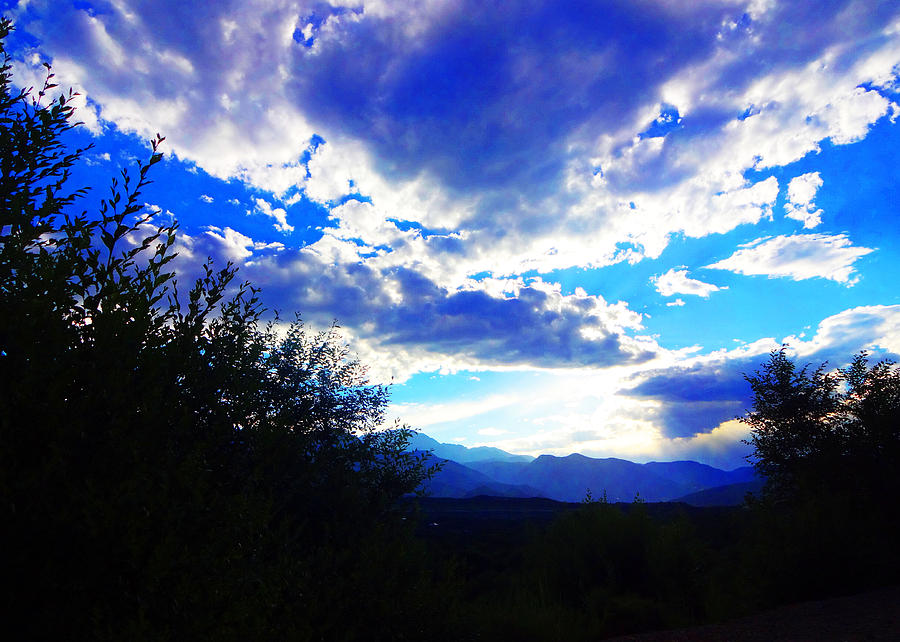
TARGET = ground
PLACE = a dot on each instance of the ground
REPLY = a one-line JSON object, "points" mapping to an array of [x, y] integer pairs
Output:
{"points": [[874, 615]]}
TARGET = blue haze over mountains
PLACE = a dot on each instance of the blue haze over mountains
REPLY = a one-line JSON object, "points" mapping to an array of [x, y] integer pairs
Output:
{"points": [[469, 472]]}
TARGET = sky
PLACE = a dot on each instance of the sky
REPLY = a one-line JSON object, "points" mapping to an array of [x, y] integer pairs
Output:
{"points": [[551, 227]]}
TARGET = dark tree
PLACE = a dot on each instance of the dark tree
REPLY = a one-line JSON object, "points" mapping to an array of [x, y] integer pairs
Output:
{"points": [[819, 430], [170, 466], [828, 442], [872, 410], [791, 423]]}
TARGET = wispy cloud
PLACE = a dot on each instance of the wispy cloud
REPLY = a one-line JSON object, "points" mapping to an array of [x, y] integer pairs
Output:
{"points": [[800, 256], [422, 416], [493, 432]]}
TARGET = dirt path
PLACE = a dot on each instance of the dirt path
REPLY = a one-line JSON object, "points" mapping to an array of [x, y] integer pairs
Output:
{"points": [[868, 616]]}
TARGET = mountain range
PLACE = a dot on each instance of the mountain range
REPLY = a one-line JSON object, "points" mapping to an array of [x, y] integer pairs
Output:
{"points": [[468, 472]]}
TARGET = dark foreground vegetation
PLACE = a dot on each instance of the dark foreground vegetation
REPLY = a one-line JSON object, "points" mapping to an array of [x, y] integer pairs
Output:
{"points": [[542, 570], [173, 468]]}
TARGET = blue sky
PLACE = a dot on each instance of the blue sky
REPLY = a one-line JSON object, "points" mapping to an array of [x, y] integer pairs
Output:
{"points": [[556, 227]]}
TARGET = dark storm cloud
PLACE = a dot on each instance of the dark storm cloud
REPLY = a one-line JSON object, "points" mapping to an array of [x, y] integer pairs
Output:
{"points": [[703, 382], [490, 96], [534, 328], [487, 95], [698, 398], [778, 42], [528, 329], [685, 419]]}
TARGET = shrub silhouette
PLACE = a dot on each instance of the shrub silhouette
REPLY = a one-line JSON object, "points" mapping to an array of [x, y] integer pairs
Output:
{"points": [[171, 467]]}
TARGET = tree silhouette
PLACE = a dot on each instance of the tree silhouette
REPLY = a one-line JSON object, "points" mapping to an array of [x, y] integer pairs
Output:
{"points": [[820, 430], [828, 442], [170, 466]]}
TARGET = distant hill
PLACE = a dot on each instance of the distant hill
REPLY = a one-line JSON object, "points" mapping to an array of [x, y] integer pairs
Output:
{"points": [[730, 495], [457, 480], [491, 471], [568, 479], [700, 476], [462, 454]]}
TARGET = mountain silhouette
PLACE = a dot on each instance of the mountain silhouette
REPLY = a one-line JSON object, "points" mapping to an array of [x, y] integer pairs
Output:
{"points": [[462, 454], [491, 471]]}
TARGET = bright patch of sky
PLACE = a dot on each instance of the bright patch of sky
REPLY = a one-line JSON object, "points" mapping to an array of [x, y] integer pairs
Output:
{"points": [[549, 224]]}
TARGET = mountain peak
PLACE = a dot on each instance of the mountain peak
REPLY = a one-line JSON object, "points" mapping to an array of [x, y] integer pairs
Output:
{"points": [[462, 454], [569, 478]]}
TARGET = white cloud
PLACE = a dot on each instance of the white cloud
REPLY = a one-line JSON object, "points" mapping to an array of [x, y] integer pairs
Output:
{"points": [[273, 245], [516, 211], [800, 256], [30, 72], [676, 303], [277, 213], [334, 251], [359, 220], [800, 206], [871, 327], [93, 160], [206, 198], [678, 282], [221, 244], [420, 198], [145, 77]]}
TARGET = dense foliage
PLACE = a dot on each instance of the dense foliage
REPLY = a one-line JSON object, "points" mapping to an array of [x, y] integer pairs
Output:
{"points": [[170, 466], [815, 431]]}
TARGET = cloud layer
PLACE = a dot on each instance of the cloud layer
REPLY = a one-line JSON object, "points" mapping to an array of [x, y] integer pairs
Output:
{"points": [[551, 136], [463, 186]]}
